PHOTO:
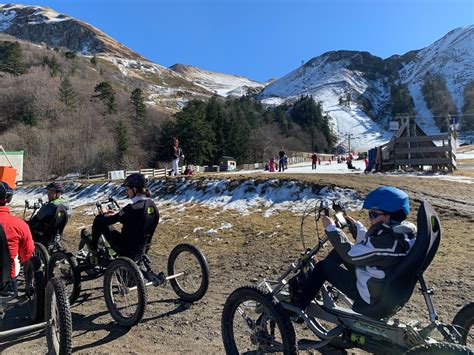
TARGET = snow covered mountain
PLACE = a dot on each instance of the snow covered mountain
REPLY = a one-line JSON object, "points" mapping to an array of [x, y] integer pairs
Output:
{"points": [[451, 57], [167, 88], [219, 83], [40, 24], [329, 77], [368, 80]]}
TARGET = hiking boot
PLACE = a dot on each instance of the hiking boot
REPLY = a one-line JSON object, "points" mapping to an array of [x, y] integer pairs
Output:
{"points": [[86, 237]]}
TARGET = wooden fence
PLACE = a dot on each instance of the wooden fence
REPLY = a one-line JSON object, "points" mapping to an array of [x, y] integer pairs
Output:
{"points": [[437, 151]]}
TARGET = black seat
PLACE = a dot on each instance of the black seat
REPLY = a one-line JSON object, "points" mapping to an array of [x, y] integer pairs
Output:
{"points": [[5, 259], [151, 218], [54, 229], [400, 284]]}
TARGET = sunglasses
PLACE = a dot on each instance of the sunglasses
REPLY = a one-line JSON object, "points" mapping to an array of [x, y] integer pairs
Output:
{"points": [[374, 215]]}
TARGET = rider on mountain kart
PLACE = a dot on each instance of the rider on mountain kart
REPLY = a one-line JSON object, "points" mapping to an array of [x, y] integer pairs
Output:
{"points": [[46, 213], [131, 240], [369, 261]]}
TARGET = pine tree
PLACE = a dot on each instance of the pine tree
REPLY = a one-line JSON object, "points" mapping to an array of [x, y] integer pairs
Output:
{"points": [[67, 95], [138, 104], [11, 58], [106, 93], [29, 117], [69, 55], [122, 139], [94, 60], [52, 64], [195, 133]]}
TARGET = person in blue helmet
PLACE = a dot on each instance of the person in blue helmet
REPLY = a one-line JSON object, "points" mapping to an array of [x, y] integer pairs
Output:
{"points": [[360, 269]]}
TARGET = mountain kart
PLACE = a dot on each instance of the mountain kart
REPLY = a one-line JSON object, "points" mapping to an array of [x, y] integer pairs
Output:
{"points": [[259, 319], [126, 280], [48, 306]]}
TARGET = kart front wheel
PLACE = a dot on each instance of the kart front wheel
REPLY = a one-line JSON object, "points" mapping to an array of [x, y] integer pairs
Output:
{"points": [[58, 315], [190, 265], [63, 265], [34, 288], [465, 319], [125, 292], [253, 323], [42, 253]]}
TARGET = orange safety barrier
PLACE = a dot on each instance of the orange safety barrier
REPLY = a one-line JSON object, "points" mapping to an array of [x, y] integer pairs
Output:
{"points": [[8, 175]]}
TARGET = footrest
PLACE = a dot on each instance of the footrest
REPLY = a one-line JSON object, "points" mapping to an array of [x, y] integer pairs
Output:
{"points": [[308, 344]]}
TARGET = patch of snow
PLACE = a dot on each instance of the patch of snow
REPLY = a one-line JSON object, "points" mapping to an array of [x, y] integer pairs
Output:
{"points": [[5, 19]]}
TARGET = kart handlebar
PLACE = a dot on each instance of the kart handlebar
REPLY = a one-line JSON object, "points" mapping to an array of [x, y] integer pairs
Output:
{"points": [[111, 202]]}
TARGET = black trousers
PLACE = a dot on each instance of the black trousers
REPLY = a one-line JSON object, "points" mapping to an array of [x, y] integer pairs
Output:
{"points": [[100, 227], [330, 269]]}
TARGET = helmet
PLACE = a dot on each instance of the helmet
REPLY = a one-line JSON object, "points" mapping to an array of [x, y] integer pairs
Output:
{"points": [[55, 186], [388, 199], [136, 180], [6, 193]]}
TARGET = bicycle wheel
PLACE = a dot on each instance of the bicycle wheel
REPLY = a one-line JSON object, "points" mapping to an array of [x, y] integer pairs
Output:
{"points": [[188, 260], [125, 292], [42, 253], [253, 322], [465, 319], [58, 315], [63, 265], [34, 290]]}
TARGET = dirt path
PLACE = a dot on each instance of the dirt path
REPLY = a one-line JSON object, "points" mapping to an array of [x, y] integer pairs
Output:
{"points": [[255, 247]]}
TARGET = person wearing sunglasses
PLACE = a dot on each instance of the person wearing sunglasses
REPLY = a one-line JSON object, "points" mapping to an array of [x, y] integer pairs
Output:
{"points": [[359, 269]]}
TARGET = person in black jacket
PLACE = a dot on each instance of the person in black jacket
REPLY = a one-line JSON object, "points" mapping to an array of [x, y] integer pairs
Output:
{"points": [[139, 220], [369, 261]]}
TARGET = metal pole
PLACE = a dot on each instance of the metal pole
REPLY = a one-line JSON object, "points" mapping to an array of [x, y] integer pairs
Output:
{"points": [[27, 329]]}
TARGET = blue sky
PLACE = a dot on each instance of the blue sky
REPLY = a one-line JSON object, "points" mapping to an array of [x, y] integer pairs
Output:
{"points": [[261, 39]]}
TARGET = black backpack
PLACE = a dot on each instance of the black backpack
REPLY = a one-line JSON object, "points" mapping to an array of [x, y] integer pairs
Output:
{"points": [[5, 258]]}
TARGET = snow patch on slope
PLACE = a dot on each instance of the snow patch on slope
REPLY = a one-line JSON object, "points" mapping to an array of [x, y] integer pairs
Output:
{"points": [[219, 83]]}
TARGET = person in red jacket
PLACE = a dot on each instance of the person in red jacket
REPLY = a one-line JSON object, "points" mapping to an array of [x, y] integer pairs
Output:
{"points": [[18, 235]]}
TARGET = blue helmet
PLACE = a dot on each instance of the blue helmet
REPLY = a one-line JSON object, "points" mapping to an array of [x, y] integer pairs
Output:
{"points": [[388, 199]]}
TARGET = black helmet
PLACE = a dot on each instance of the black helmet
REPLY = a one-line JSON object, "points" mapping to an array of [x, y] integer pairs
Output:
{"points": [[136, 180], [6, 193], [55, 186]]}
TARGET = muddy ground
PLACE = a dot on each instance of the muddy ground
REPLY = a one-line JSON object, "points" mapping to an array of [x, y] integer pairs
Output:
{"points": [[254, 248]]}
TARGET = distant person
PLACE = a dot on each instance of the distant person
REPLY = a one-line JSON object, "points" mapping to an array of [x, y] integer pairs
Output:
{"points": [[314, 161], [188, 171], [46, 213], [271, 165], [285, 161], [281, 160], [349, 165], [177, 154]]}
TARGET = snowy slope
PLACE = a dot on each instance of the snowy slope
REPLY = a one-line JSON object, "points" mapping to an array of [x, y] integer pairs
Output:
{"points": [[219, 83], [452, 57], [326, 81], [333, 74]]}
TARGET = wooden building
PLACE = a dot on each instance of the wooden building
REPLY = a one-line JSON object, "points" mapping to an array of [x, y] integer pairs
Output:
{"points": [[412, 147]]}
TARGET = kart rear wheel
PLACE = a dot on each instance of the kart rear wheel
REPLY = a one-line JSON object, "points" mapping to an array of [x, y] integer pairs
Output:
{"points": [[188, 260], [59, 329], [252, 322], [465, 319], [125, 292], [34, 289], [63, 265], [42, 253], [439, 349]]}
